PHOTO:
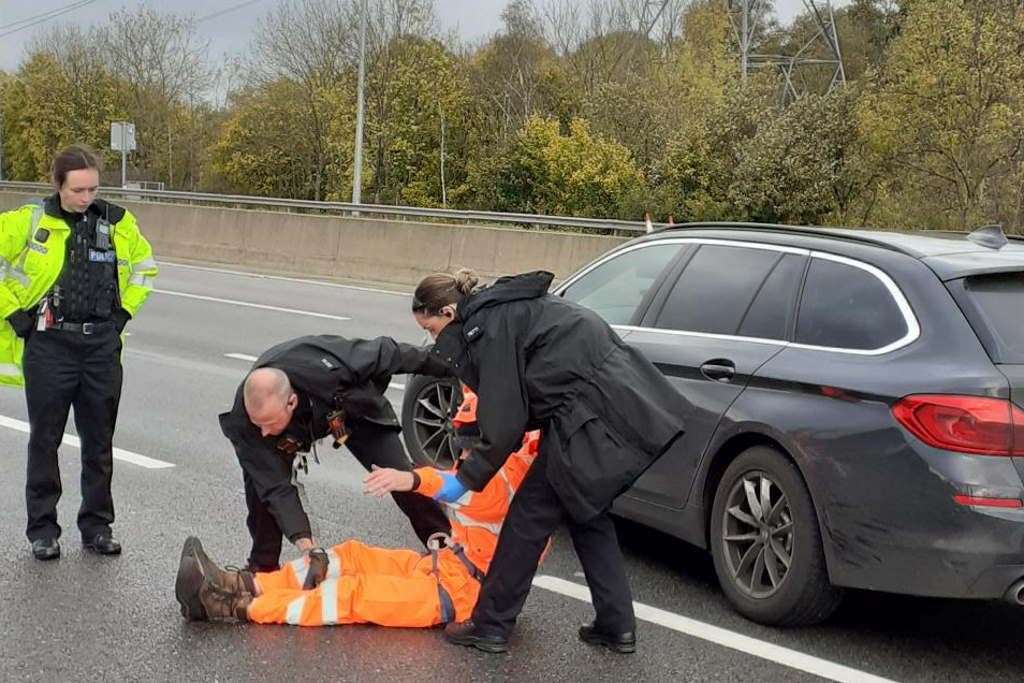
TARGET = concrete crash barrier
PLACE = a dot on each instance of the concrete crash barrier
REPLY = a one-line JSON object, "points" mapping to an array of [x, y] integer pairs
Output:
{"points": [[399, 252]]}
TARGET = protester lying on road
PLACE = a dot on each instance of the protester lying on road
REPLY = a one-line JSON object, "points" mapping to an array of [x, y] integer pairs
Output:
{"points": [[355, 583]]}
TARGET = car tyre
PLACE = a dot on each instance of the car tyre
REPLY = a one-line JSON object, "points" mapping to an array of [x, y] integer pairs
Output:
{"points": [[766, 542], [427, 410]]}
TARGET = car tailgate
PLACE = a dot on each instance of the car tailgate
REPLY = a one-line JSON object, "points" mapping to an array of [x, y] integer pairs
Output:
{"points": [[994, 306], [1015, 373]]}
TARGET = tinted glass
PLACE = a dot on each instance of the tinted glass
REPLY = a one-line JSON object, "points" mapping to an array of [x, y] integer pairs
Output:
{"points": [[716, 289], [771, 314], [615, 289], [997, 303], [847, 307]]}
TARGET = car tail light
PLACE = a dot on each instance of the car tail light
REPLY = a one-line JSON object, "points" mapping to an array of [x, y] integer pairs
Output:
{"points": [[966, 424], [988, 502]]}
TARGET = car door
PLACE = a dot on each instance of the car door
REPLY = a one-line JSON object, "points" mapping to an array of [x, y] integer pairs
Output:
{"points": [[729, 311]]}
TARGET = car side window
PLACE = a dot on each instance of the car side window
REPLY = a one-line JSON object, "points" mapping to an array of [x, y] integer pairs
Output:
{"points": [[717, 288], [847, 307], [616, 288], [774, 308]]}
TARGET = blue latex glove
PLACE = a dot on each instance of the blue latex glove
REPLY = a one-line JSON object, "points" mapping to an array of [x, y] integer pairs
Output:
{"points": [[451, 490]]}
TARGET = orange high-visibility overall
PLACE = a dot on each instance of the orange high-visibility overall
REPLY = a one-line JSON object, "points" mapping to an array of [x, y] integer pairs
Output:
{"points": [[398, 587]]}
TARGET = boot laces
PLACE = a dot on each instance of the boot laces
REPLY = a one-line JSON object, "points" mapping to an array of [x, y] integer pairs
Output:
{"points": [[235, 574], [230, 599]]}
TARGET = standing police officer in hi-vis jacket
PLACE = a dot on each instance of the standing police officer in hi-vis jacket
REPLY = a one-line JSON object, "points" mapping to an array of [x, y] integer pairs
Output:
{"points": [[74, 272]]}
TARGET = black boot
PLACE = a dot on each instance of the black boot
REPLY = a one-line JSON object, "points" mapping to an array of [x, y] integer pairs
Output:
{"points": [[45, 549], [623, 643], [102, 543], [467, 633]]}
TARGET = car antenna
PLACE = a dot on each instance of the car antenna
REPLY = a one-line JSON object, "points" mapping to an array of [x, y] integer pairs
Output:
{"points": [[990, 236]]}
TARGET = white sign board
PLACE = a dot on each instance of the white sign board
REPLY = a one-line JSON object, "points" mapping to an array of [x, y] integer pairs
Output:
{"points": [[122, 136]]}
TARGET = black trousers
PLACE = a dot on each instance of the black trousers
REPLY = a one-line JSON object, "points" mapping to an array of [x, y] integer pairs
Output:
{"points": [[536, 512], [64, 369], [372, 445]]}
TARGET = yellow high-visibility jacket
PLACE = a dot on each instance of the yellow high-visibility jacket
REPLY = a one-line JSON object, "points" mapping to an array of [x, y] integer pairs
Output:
{"points": [[29, 269]]}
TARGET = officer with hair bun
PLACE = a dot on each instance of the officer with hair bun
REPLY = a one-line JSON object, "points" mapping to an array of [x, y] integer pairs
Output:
{"points": [[605, 414]]}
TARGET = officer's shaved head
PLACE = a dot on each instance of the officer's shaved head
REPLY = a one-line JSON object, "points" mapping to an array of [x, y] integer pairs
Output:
{"points": [[267, 393]]}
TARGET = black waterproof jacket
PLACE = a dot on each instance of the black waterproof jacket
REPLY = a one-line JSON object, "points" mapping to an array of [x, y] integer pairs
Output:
{"points": [[539, 361], [326, 372]]}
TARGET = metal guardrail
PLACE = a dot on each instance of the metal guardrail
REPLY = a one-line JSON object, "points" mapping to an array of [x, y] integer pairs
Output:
{"points": [[401, 212]]}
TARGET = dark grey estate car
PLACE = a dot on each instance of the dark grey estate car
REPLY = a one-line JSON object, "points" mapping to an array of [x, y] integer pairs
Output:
{"points": [[856, 407]]}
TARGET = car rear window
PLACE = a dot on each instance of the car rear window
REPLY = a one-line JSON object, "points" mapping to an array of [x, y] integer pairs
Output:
{"points": [[994, 305], [846, 307]]}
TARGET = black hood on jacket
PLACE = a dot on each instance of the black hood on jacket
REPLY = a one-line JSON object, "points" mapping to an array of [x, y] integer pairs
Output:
{"points": [[506, 289]]}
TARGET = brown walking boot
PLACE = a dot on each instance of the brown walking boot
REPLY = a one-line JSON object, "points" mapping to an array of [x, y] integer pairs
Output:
{"points": [[230, 579], [202, 600]]}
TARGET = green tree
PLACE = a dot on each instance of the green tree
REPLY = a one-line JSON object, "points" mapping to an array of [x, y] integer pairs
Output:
{"points": [[507, 76], [639, 92], [545, 171], [305, 48], [426, 105], [801, 167], [45, 108], [264, 147], [693, 181], [944, 121], [866, 28], [164, 77]]}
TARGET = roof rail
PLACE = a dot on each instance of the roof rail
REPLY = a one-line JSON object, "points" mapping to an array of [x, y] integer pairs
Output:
{"points": [[836, 233]]}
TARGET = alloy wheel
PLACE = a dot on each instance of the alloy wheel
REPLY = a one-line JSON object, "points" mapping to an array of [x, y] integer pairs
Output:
{"points": [[757, 534], [435, 405]]}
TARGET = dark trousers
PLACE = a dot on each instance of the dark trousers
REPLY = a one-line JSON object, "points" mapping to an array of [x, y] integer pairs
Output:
{"points": [[372, 445], [64, 369], [536, 512]]}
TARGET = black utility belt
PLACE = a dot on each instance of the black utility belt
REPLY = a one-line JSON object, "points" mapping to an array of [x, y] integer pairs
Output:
{"points": [[82, 328]]}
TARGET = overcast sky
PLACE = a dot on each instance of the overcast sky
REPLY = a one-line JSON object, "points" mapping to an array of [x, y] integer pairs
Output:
{"points": [[229, 34]]}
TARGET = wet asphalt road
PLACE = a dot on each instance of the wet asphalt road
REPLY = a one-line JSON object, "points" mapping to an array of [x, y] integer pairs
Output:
{"points": [[90, 618]]}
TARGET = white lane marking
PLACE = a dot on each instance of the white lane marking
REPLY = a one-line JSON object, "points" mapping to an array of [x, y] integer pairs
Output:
{"points": [[395, 386], [300, 280], [730, 639], [249, 304], [119, 453]]}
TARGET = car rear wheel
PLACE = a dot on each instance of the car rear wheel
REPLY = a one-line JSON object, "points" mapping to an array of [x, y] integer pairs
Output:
{"points": [[766, 542], [427, 411]]}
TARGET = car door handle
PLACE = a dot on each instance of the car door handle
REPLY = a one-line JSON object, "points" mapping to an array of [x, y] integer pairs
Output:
{"points": [[719, 370]]}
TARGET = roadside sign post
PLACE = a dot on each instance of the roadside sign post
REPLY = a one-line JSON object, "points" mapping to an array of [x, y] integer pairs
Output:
{"points": [[122, 139]]}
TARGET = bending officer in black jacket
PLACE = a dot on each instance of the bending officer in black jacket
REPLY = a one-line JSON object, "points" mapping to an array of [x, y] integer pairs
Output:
{"points": [[289, 400], [605, 415]]}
